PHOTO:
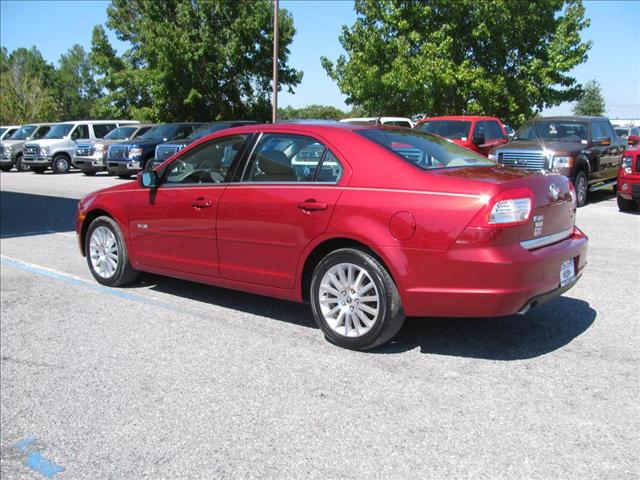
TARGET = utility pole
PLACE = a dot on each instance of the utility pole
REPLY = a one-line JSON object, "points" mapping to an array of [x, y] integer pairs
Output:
{"points": [[274, 115]]}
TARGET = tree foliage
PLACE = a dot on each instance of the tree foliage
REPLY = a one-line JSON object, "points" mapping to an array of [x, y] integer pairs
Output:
{"points": [[191, 59], [591, 102], [74, 85], [26, 92], [323, 112], [508, 58]]}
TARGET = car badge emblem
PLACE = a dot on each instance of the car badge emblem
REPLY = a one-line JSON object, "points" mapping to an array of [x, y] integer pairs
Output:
{"points": [[522, 161], [554, 192]]}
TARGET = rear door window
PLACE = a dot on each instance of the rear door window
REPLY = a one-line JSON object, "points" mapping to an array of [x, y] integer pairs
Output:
{"points": [[101, 130], [41, 132]]}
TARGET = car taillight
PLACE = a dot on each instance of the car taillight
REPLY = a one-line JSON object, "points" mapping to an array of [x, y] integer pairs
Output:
{"points": [[574, 196], [508, 208]]}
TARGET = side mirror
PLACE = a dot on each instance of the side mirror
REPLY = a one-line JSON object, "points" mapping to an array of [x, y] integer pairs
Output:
{"points": [[633, 139], [478, 138], [149, 179]]}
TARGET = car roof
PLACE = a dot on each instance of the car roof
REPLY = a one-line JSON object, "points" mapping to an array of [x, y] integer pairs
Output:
{"points": [[459, 117], [574, 118], [320, 128]]}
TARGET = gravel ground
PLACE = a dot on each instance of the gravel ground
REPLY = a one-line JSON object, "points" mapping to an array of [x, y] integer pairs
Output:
{"points": [[171, 379]]}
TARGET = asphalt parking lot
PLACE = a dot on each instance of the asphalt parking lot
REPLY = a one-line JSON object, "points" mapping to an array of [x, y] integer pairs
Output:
{"points": [[171, 379]]}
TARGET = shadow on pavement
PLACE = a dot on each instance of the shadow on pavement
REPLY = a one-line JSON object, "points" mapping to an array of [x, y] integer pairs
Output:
{"points": [[542, 330], [24, 214]]}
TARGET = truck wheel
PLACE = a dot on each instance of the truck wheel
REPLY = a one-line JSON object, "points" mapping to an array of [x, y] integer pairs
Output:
{"points": [[148, 165], [107, 254], [354, 300], [60, 164], [581, 188], [5, 168], [625, 205], [38, 169], [21, 167]]}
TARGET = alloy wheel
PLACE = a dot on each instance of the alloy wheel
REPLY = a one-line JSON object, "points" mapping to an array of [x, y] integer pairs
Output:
{"points": [[103, 250]]}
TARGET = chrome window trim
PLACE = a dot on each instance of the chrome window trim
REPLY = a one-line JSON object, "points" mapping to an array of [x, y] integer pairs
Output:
{"points": [[546, 240]]}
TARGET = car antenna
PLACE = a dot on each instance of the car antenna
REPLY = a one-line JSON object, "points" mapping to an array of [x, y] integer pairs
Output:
{"points": [[379, 121]]}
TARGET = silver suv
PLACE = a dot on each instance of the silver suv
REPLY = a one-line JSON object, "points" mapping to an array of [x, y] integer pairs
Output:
{"points": [[58, 146], [11, 148], [91, 156]]}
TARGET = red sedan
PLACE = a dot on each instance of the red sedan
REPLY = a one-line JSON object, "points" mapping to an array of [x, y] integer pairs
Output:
{"points": [[366, 223]]}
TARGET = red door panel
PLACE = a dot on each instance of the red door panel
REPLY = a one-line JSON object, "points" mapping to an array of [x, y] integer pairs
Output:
{"points": [[263, 229], [174, 228]]}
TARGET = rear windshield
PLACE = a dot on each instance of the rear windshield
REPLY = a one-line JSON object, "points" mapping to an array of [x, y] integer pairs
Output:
{"points": [[59, 131], [553, 130], [120, 133], [424, 150], [446, 128], [23, 133]]}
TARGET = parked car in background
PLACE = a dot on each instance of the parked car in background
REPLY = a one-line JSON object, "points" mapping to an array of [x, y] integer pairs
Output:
{"points": [[58, 146], [476, 133], [165, 150], [630, 134], [510, 131], [389, 121], [433, 230], [127, 158], [7, 130], [585, 149], [628, 193], [11, 148], [91, 157]]}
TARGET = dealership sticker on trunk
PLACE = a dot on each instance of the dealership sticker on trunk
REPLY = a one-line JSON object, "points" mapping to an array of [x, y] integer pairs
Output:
{"points": [[567, 272]]}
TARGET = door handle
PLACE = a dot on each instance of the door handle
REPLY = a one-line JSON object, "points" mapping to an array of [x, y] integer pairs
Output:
{"points": [[202, 202], [311, 205]]}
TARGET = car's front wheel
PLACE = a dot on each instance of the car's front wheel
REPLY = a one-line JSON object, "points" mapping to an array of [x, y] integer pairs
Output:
{"points": [[625, 205], [582, 189], [60, 164], [354, 300], [21, 167], [107, 254]]}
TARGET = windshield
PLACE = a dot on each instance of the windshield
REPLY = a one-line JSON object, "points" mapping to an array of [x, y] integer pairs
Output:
{"points": [[59, 131], [161, 133], [23, 132], [553, 130], [207, 129], [446, 128], [424, 150], [121, 133]]}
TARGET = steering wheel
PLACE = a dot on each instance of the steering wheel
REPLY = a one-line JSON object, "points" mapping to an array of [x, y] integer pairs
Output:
{"points": [[178, 166]]}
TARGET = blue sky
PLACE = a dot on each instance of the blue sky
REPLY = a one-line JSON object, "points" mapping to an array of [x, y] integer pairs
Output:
{"points": [[53, 26]]}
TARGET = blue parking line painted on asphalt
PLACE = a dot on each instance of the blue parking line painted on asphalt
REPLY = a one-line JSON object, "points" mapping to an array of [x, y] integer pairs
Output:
{"points": [[82, 283], [23, 445], [44, 467]]}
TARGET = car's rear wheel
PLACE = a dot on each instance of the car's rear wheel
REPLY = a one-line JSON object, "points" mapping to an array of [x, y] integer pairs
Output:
{"points": [[107, 254], [581, 188], [60, 164], [354, 300], [625, 205], [21, 167], [38, 169]]}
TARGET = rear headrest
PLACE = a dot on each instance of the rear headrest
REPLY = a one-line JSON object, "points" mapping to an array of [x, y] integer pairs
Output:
{"points": [[274, 162]]}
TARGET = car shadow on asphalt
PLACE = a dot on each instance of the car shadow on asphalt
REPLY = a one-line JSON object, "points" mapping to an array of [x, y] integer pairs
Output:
{"points": [[25, 214], [542, 330]]}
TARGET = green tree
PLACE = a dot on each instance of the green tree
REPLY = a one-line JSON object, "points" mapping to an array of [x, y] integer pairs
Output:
{"points": [[26, 93], [74, 85], [191, 59], [508, 58], [591, 102], [326, 112]]}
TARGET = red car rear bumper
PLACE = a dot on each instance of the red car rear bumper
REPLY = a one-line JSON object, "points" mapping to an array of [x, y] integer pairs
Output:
{"points": [[489, 281]]}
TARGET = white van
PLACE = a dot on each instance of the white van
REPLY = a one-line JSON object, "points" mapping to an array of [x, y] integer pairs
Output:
{"points": [[58, 146], [393, 121]]}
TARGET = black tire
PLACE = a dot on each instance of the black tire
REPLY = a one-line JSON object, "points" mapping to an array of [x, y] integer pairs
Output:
{"points": [[124, 176], [148, 164], [89, 173], [123, 273], [625, 205], [61, 164], [6, 168], [391, 315], [38, 169], [582, 188], [21, 167]]}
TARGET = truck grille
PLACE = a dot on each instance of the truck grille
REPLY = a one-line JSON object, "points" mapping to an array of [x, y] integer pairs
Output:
{"points": [[165, 151], [31, 150], [533, 161], [117, 152], [84, 150]]}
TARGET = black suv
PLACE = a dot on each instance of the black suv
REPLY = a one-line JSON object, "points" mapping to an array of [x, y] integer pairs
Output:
{"points": [[585, 149], [125, 159]]}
